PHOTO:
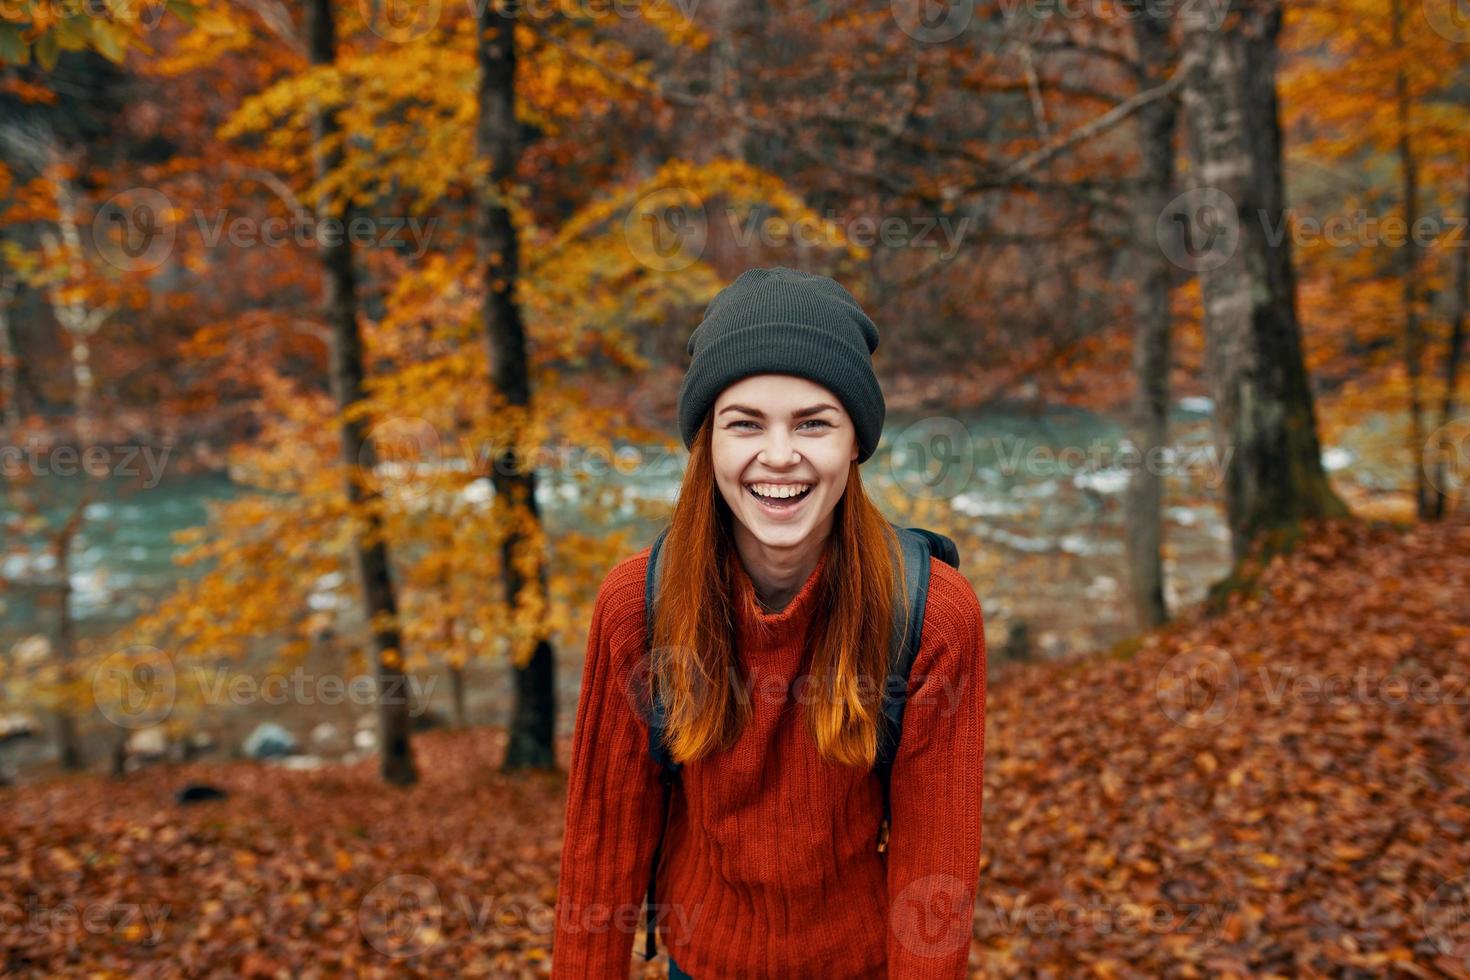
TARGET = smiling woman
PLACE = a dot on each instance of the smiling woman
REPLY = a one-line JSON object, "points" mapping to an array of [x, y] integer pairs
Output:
{"points": [[770, 644]]}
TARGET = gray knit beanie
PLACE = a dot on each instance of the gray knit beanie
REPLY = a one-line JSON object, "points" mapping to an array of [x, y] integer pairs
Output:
{"points": [[782, 321]]}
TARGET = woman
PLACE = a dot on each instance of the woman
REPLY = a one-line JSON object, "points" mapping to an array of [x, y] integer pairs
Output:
{"points": [[772, 631]]}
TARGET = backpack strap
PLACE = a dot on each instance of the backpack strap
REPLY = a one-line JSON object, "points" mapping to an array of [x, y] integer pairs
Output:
{"points": [[914, 546], [657, 721], [940, 546]]}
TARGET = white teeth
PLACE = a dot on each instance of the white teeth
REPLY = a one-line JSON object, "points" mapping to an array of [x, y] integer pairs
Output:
{"points": [[779, 490]]}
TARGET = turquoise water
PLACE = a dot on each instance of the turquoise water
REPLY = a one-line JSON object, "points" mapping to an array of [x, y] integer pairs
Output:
{"points": [[123, 553]]}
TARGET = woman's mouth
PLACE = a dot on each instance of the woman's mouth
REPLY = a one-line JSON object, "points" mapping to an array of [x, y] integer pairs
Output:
{"points": [[779, 499]]}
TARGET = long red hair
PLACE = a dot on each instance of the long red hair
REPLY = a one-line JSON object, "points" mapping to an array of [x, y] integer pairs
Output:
{"points": [[694, 648]]}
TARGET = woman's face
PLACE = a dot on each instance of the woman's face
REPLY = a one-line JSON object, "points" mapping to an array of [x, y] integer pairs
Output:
{"points": [[778, 434]]}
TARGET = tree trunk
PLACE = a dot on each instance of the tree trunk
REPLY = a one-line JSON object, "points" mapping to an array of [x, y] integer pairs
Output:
{"points": [[456, 691], [9, 360], [1157, 122], [1409, 271], [68, 744], [1452, 370], [497, 140], [347, 377], [79, 322], [1264, 419]]}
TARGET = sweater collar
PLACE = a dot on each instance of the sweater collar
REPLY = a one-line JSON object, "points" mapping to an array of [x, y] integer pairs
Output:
{"points": [[766, 629]]}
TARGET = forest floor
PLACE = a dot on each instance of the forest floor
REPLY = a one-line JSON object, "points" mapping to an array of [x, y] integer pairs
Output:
{"points": [[1280, 790]]}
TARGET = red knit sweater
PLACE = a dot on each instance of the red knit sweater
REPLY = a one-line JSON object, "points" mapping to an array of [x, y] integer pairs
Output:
{"points": [[770, 866]]}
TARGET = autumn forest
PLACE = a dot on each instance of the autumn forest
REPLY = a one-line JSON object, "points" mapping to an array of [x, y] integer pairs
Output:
{"points": [[340, 347]]}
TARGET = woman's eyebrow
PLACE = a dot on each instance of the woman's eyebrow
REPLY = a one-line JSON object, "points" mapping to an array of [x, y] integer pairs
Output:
{"points": [[799, 414]]}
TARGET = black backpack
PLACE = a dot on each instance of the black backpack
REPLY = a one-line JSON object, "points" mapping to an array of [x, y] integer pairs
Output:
{"points": [[917, 544]]}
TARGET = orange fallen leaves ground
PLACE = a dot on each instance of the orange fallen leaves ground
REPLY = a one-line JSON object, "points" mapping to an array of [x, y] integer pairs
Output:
{"points": [[1282, 790]]}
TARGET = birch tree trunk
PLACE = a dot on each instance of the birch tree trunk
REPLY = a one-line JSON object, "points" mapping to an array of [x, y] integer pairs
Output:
{"points": [[1264, 419]]}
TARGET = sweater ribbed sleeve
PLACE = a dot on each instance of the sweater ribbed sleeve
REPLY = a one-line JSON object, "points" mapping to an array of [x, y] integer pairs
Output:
{"points": [[937, 781], [614, 799]]}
